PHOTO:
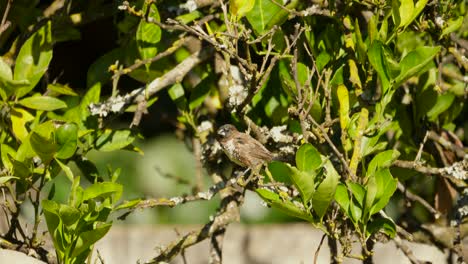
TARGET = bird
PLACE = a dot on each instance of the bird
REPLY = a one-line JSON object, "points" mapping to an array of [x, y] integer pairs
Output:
{"points": [[243, 149]]}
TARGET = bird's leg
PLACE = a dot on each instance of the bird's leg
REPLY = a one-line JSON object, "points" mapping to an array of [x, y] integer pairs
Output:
{"points": [[240, 178], [255, 172]]}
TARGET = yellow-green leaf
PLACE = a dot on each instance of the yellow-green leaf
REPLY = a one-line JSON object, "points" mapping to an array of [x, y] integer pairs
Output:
{"points": [[19, 118], [343, 98]]}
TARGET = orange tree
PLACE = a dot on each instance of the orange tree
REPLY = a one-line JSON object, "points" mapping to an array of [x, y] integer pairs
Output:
{"points": [[364, 98]]}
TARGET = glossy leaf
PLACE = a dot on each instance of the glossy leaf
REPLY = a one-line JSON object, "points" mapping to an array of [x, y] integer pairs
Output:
{"points": [[103, 190], [19, 119], [66, 137], [414, 63], [6, 152], [5, 179], [452, 25], [45, 103], [325, 190], [128, 204], [287, 207], [61, 89], [379, 190], [89, 238], [148, 34], [358, 191], [308, 158], [405, 12], [239, 8], [383, 224], [443, 102], [34, 58], [304, 182], [280, 172], [68, 214], [376, 58], [92, 96], [66, 169], [88, 168], [5, 71], [264, 15], [382, 160], [177, 94], [342, 197], [112, 140]]}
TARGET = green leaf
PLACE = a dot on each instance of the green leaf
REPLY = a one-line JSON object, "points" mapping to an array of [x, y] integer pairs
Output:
{"points": [[326, 190], [61, 89], [361, 46], [382, 160], [87, 167], [43, 141], [322, 60], [19, 118], [148, 34], [405, 11], [342, 197], [5, 179], [414, 63], [103, 190], [280, 172], [91, 96], [358, 191], [287, 81], [384, 224], [189, 17], [89, 238], [20, 169], [5, 71], [376, 58], [112, 140], [34, 58], [45, 103], [177, 94], [443, 102], [304, 182], [308, 158], [66, 137], [68, 214], [51, 208], [66, 169], [452, 25], [6, 152], [379, 190], [239, 8], [287, 207], [418, 8], [128, 204], [264, 15]]}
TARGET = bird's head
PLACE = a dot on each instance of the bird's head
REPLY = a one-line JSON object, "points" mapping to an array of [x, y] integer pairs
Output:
{"points": [[226, 131]]}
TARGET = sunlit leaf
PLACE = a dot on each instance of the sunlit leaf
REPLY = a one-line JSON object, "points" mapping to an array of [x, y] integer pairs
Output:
{"points": [[34, 58]]}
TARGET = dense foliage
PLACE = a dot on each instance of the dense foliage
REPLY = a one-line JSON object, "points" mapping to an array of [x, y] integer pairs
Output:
{"points": [[366, 98]]}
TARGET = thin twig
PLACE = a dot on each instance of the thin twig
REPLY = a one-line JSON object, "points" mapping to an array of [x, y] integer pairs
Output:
{"points": [[318, 249], [334, 148], [406, 250], [415, 198]]}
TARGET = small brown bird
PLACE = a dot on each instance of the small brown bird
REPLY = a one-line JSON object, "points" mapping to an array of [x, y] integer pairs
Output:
{"points": [[241, 148]]}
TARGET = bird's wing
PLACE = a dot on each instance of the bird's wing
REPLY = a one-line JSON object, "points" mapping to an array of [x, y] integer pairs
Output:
{"points": [[253, 148]]}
